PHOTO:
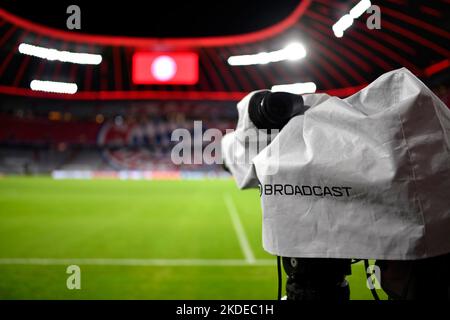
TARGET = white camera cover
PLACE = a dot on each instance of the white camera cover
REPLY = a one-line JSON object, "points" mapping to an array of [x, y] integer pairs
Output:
{"points": [[363, 177]]}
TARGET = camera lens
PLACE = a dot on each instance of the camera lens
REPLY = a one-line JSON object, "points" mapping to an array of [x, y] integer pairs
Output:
{"points": [[272, 110]]}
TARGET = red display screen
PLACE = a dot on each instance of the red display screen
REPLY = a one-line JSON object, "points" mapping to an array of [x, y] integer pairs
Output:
{"points": [[165, 68]]}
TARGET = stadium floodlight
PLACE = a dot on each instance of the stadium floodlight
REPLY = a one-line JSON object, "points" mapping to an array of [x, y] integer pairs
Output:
{"points": [[55, 87], [346, 21], [293, 51], [296, 88], [343, 24], [57, 55], [360, 8]]}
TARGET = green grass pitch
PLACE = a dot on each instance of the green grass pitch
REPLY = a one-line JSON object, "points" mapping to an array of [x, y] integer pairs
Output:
{"points": [[135, 240]]}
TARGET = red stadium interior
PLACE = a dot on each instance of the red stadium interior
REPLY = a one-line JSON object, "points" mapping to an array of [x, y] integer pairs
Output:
{"points": [[41, 132]]}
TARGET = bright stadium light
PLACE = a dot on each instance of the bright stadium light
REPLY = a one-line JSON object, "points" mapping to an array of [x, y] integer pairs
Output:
{"points": [[164, 68], [343, 24], [346, 21], [338, 33], [293, 51], [63, 56], [55, 87], [296, 88], [360, 8]]}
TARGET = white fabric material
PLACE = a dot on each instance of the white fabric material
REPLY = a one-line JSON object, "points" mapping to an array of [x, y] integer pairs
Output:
{"points": [[377, 164]]}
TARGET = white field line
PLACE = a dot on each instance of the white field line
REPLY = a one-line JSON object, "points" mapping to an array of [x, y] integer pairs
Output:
{"points": [[138, 262], [240, 232]]}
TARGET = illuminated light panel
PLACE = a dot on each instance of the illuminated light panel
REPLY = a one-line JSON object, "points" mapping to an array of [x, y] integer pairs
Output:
{"points": [[55, 87], [57, 55], [165, 68], [296, 88], [346, 21], [360, 8], [293, 51]]}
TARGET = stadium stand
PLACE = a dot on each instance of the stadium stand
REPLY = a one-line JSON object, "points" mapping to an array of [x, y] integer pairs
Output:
{"points": [[42, 132]]}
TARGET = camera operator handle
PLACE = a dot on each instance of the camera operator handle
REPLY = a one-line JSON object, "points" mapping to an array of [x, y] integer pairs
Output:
{"points": [[273, 110]]}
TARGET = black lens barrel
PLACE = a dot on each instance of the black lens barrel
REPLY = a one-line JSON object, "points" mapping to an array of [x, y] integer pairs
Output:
{"points": [[272, 110]]}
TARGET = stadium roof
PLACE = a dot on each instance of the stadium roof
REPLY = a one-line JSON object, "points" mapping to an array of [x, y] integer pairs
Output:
{"points": [[413, 35]]}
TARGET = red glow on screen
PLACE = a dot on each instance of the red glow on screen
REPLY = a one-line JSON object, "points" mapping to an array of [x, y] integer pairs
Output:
{"points": [[165, 68]]}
